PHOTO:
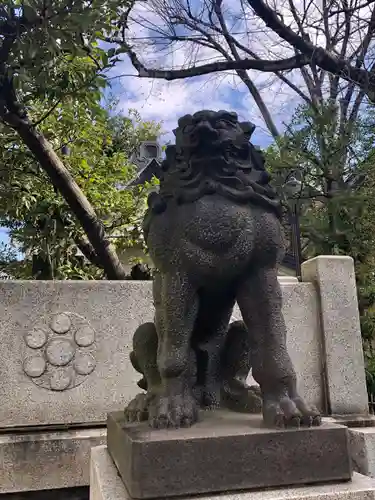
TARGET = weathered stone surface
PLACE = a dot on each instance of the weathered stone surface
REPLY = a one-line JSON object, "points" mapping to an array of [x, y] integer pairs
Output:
{"points": [[224, 452], [362, 450], [47, 460], [113, 310], [85, 371], [105, 484], [352, 420], [65, 456], [345, 374], [301, 314]]}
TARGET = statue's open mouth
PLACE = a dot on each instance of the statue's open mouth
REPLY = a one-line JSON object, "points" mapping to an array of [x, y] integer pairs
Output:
{"points": [[224, 150]]}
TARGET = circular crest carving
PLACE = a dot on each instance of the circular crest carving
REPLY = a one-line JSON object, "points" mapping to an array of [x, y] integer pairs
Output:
{"points": [[36, 338], [59, 351], [85, 336], [34, 366], [60, 379], [84, 364], [60, 323]]}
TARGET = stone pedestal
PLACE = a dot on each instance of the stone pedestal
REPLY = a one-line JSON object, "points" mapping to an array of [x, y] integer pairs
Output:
{"points": [[334, 278], [362, 449], [47, 460], [106, 484], [224, 452]]}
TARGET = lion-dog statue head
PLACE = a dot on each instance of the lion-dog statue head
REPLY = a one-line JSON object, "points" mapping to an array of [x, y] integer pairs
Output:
{"points": [[213, 155]]}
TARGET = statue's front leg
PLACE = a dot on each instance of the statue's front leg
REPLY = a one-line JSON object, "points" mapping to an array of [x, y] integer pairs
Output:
{"points": [[176, 308]]}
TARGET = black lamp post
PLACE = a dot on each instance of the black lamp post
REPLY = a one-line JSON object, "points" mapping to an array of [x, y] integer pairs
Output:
{"points": [[292, 186]]}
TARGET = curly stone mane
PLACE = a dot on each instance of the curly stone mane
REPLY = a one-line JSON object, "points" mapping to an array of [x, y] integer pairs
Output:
{"points": [[231, 166]]}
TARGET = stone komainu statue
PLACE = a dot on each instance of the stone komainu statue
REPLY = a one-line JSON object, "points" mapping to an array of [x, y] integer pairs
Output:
{"points": [[214, 234]]}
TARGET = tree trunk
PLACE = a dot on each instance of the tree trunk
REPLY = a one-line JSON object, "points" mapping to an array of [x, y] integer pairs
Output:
{"points": [[71, 192]]}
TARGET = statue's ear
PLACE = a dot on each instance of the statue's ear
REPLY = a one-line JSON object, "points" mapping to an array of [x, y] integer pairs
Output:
{"points": [[248, 128], [185, 120], [164, 165], [229, 115]]}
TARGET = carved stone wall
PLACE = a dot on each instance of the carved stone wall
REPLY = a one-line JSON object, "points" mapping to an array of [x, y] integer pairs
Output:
{"points": [[65, 347], [59, 351]]}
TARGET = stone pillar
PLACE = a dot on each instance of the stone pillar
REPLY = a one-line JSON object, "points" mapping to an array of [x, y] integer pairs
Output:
{"points": [[342, 344]]}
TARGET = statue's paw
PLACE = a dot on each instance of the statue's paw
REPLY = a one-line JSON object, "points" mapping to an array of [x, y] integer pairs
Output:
{"points": [[137, 409], [211, 400], [173, 411], [310, 415], [242, 399], [287, 412]]}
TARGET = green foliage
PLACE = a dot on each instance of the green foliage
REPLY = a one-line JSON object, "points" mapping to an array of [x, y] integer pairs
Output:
{"points": [[54, 49], [335, 162], [53, 65], [99, 147], [331, 162]]}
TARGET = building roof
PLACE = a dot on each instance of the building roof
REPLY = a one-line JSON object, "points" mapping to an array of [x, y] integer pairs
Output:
{"points": [[152, 169]]}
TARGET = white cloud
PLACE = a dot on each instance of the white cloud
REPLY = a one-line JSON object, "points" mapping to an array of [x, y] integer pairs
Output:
{"points": [[166, 102]]}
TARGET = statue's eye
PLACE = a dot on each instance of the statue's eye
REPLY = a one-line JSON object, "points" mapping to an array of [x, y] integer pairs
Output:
{"points": [[188, 129], [224, 123]]}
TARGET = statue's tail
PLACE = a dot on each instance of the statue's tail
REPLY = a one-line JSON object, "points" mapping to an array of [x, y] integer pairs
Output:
{"points": [[142, 384], [143, 355]]}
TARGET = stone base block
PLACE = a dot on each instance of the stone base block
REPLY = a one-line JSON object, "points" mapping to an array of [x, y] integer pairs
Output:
{"points": [[105, 484], [47, 460], [354, 420], [362, 450], [224, 452]]}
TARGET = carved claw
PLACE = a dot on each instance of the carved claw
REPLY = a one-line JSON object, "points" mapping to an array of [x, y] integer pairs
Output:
{"points": [[137, 409], [173, 411], [310, 414], [211, 400], [286, 412]]}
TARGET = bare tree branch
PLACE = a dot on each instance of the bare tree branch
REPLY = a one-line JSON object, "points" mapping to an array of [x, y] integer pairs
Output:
{"points": [[243, 74], [205, 69], [350, 10], [322, 58]]}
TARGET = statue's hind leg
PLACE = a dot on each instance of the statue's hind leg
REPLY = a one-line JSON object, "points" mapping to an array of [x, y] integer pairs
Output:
{"points": [[176, 308], [260, 300]]}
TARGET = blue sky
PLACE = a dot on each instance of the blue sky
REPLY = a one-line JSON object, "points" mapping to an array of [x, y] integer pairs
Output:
{"points": [[3, 235], [166, 101]]}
